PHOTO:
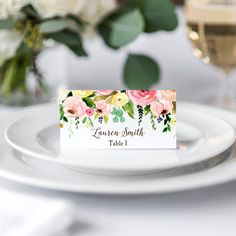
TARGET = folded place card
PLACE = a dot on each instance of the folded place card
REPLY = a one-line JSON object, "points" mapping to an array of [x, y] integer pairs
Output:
{"points": [[117, 119]]}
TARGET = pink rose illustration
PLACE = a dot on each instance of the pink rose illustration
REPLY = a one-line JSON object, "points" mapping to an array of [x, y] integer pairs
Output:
{"points": [[74, 107], [104, 92], [169, 95], [161, 107], [103, 107], [100, 105], [89, 111], [142, 97]]}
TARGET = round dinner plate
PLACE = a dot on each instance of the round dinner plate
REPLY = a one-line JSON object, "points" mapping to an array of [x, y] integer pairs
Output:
{"points": [[38, 173], [200, 136]]}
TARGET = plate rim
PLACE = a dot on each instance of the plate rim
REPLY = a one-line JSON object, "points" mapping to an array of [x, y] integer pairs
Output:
{"points": [[109, 170], [227, 177]]}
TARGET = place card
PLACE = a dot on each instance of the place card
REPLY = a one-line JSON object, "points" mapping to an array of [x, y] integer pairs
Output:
{"points": [[117, 119]]}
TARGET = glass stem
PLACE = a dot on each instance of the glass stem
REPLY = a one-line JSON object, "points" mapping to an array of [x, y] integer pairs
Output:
{"points": [[226, 96]]}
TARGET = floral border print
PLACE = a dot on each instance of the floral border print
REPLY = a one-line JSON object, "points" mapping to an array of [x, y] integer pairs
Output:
{"points": [[88, 106]]}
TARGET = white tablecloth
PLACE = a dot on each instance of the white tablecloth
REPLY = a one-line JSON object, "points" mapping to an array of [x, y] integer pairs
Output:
{"points": [[205, 212]]}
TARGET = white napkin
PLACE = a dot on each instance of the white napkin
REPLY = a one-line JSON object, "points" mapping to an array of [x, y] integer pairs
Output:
{"points": [[30, 215], [26, 215]]}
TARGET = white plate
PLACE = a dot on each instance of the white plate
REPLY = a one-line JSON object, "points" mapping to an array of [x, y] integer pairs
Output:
{"points": [[200, 137], [54, 177]]}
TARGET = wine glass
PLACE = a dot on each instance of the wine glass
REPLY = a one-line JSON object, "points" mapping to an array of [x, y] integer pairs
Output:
{"points": [[211, 28]]}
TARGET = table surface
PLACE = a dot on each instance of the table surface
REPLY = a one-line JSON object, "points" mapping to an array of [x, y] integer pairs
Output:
{"points": [[210, 211]]}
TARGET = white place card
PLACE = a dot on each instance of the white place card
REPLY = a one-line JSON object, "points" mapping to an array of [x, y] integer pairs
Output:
{"points": [[117, 119]]}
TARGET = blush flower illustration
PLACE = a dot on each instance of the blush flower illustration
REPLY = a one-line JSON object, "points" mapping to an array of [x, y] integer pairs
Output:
{"points": [[169, 95], [161, 107], [142, 97], [104, 92], [88, 106], [74, 107], [89, 111], [103, 107]]}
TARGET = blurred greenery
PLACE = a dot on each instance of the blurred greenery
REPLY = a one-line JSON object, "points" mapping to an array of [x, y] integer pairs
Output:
{"points": [[120, 28], [126, 24]]}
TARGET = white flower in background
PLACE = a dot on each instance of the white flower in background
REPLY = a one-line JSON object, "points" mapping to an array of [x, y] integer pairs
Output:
{"points": [[50, 8], [89, 10], [93, 11], [10, 41], [11, 7]]}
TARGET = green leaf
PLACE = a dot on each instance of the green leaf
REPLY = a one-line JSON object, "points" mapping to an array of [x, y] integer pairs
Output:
{"points": [[114, 112], [52, 26], [165, 130], [89, 102], [115, 119], [147, 109], [89, 122], [30, 12], [7, 24], [84, 120], [168, 117], [141, 72], [122, 119], [70, 94], [158, 14], [61, 116], [76, 20], [96, 115], [106, 119], [61, 112], [13, 74], [92, 95], [169, 127], [174, 108], [119, 113], [101, 97], [71, 39], [65, 119], [129, 108], [122, 28]]}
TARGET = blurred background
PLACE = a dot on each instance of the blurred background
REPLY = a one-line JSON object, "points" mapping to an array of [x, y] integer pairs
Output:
{"points": [[180, 69], [194, 53]]}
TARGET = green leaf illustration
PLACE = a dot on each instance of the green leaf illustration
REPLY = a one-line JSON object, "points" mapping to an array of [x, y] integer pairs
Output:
{"points": [[61, 112], [129, 108], [106, 119], [140, 114], [114, 111], [65, 119], [165, 130], [147, 109], [101, 97], [122, 119], [89, 102], [84, 120], [119, 113], [96, 115], [115, 119], [70, 94]]}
